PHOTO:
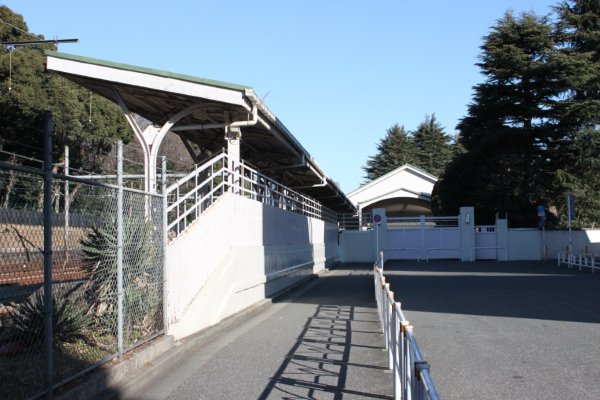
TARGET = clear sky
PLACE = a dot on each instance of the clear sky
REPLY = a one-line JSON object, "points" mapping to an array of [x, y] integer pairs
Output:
{"points": [[338, 73]]}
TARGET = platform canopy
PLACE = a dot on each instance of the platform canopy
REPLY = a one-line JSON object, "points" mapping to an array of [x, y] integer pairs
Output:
{"points": [[208, 116]]}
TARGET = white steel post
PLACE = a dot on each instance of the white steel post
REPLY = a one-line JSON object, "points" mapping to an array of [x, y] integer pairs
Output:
{"points": [[569, 211], [392, 346], [396, 353], [165, 296], [422, 224]]}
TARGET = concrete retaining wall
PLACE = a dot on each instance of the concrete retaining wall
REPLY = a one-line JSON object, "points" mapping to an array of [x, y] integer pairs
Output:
{"points": [[238, 253]]}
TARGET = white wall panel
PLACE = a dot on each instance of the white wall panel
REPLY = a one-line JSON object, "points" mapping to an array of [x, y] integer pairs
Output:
{"points": [[357, 246], [237, 253], [531, 244]]}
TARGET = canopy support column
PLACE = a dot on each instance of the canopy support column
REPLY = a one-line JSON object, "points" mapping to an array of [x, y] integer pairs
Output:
{"points": [[233, 136]]}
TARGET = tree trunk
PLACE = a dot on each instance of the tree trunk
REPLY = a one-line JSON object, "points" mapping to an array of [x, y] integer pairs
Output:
{"points": [[12, 178]]}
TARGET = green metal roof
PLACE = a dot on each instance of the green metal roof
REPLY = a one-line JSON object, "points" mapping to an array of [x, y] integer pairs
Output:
{"points": [[156, 72]]}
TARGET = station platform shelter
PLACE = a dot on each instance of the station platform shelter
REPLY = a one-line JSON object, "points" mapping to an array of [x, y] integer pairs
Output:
{"points": [[255, 217]]}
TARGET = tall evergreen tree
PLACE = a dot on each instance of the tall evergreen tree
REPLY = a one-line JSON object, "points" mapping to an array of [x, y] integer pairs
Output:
{"points": [[433, 148], [26, 90], [510, 129], [578, 29], [393, 151]]}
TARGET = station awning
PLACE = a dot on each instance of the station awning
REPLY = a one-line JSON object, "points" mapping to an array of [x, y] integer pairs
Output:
{"points": [[158, 96]]}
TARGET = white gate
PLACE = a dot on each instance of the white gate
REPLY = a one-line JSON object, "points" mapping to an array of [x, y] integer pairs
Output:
{"points": [[423, 238], [486, 246]]}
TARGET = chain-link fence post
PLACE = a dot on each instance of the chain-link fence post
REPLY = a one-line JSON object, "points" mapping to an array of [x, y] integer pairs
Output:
{"points": [[67, 203], [48, 311], [164, 239], [120, 292]]}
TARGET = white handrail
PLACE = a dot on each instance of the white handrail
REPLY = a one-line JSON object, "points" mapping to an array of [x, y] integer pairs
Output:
{"points": [[411, 377], [188, 198], [440, 249]]}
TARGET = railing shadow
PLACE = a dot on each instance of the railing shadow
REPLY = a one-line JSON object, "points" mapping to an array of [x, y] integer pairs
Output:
{"points": [[317, 366]]}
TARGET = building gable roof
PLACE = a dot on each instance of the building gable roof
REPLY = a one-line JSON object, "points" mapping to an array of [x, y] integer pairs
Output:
{"points": [[404, 185]]}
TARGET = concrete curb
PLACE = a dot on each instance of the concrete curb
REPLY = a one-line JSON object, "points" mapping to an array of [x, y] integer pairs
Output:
{"points": [[114, 372], [151, 371]]}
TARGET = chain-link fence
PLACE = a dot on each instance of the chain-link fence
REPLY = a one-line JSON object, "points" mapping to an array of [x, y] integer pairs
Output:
{"points": [[107, 277]]}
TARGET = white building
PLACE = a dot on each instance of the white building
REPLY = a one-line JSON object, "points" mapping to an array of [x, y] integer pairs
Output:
{"points": [[403, 192]]}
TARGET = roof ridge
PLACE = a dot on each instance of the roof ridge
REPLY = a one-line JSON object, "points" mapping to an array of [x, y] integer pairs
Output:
{"points": [[151, 71]]}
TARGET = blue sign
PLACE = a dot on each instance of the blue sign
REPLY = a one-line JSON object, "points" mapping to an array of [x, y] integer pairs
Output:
{"points": [[377, 218], [541, 211]]}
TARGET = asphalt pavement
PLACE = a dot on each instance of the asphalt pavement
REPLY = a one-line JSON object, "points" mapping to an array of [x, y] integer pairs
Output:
{"points": [[504, 330], [320, 341]]}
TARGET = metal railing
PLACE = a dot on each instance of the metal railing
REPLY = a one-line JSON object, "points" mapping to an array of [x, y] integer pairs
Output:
{"points": [[579, 260], [446, 249], [411, 377], [192, 194], [361, 222], [424, 221]]}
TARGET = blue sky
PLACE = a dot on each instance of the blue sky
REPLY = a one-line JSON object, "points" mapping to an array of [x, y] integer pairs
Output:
{"points": [[338, 73]]}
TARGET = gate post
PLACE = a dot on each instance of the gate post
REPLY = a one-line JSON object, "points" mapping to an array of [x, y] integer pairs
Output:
{"points": [[422, 251], [502, 240], [466, 223], [380, 230]]}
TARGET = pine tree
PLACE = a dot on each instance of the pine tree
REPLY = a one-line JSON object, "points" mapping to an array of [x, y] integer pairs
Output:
{"points": [[393, 151], [578, 168], [510, 131], [433, 148]]}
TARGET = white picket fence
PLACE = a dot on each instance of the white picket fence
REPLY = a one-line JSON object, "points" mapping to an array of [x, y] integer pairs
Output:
{"points": [[572, 260]]}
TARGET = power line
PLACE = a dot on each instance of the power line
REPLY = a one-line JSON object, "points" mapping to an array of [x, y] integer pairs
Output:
{"points": [[29, 55], [19, 29]]}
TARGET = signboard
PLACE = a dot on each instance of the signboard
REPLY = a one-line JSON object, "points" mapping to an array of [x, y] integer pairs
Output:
{"points": [[541, 211], [377, 218]]}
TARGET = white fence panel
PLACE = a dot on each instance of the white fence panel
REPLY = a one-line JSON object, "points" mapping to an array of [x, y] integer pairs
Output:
{"points": [[442, 243], [423, 238], [525, 244], [486, 247], [357, 246], [272, 240], [404, 243]]}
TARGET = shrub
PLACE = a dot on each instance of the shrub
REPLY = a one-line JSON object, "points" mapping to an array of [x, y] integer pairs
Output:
{"points": [[142, 275], [70, 319]]}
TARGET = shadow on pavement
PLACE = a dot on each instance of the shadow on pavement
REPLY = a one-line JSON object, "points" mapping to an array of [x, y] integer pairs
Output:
{"points": [[317, 366]]}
